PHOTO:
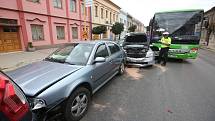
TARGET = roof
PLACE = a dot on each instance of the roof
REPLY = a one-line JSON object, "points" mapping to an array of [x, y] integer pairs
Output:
{"points": [[212, 9], [135, 33], [91, 42], [184, 10], [113, 4]]}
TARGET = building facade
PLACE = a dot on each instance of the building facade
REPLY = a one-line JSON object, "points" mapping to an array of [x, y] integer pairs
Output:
{"points": [[42, 22], [105, 12], [140, 25], [208, 33], [123, 19]]}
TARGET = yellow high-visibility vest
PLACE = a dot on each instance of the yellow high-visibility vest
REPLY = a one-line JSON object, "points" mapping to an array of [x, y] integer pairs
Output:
{"points": [[165, 41]]}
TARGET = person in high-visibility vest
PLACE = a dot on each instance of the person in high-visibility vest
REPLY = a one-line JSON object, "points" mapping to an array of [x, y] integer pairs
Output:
{"points": [[165, 44]]}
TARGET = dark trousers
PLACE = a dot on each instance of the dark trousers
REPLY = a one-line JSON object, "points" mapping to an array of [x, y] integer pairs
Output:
{"points": [[163, 55]]}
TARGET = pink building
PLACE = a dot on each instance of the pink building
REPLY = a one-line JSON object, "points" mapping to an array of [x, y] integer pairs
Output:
{"points": [[43, 22]]}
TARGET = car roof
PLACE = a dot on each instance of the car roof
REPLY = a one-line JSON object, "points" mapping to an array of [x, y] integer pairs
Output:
{"points": [[92, 41], [135, 33]]}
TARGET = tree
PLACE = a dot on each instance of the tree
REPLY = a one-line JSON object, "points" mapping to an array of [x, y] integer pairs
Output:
{"points": [[117, 29], [132, 28], [99, 30]]}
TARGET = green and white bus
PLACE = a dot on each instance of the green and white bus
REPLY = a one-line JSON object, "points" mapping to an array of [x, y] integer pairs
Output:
{"points": [[184, 28]]}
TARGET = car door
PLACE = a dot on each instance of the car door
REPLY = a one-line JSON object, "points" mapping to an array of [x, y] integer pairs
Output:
{"points": [[116, 56], [13, 103], [101, 71]]}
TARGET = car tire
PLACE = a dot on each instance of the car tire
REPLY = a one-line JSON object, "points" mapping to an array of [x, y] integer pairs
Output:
{"points": [[121, 68], [77, 104]]}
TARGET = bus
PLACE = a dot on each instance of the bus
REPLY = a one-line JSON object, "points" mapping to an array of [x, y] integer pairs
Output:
{"points": [[184, 27]]}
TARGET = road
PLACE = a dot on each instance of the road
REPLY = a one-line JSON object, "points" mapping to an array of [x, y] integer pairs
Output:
{"points": [[181, 91]]}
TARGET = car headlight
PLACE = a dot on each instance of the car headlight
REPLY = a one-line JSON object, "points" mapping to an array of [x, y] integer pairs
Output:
{"points": [[38, 103], [150, 54]]}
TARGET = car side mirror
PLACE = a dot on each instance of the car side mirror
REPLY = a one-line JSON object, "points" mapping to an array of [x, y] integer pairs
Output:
{"points": [[99, 60]]}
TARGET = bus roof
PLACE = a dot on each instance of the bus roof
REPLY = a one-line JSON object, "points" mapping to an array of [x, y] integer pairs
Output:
{"points": [[184, 10]]}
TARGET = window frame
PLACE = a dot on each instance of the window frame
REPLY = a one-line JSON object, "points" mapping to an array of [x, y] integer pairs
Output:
{"points": [[61, 38], [114, 18], [102, 13], [105, 48], [73, 32], [96, 11], [74, 5], [38, 1], [57, 6], [106, 14], [37, 34], [114, 45]]}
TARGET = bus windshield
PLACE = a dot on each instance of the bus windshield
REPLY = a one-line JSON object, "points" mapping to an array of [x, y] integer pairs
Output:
{"points": [[183, 26]]}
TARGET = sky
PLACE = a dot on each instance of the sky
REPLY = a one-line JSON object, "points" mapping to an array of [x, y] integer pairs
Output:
{"points": [[144, 10]]}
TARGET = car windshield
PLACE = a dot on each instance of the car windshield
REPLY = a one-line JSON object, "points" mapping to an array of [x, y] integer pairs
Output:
{"points": [[75, 54]]}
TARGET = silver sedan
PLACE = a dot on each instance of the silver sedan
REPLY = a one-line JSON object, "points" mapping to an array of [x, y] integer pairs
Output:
{"points": [[68, 77]]}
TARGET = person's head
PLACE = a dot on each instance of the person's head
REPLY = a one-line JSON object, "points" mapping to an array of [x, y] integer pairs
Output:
{"points": [[166, 34]]}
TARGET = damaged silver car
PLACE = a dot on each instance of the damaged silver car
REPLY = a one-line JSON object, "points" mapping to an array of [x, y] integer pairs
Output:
{"points": [[137, 49]]}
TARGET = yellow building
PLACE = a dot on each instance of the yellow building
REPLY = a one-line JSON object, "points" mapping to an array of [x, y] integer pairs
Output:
{"points": [[105, 12]]}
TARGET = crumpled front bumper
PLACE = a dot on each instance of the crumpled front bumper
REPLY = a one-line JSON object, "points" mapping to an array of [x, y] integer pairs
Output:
{"points": [[141, 62]]}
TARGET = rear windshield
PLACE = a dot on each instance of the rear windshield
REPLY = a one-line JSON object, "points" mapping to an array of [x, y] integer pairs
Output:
{"points": [[136, 38]]}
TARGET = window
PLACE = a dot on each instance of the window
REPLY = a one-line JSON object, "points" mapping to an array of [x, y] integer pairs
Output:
{"points": [[110, 17], [60, 32], [116, 17], [77, 54], [75, 32], [35, 1], [106, 14], [37, 32], [102, 51], [10, 29], [121, 21], [57, 3], [113, 48], [96, 11], [102, 13], [82, 8], [73, 5], [113, 17]]}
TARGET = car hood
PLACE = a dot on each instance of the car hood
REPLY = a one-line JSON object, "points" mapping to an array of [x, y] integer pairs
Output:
{"points": [[36, 77]]}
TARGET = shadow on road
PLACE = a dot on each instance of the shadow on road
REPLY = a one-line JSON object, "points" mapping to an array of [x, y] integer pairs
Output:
{"points": [[178, 61]]}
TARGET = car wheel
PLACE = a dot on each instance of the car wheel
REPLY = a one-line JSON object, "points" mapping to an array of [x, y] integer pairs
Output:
{"points": [[77, 104], [122, 68]]}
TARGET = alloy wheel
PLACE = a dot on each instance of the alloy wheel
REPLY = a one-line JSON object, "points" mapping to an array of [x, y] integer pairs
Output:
{"points": [[79, 105]]}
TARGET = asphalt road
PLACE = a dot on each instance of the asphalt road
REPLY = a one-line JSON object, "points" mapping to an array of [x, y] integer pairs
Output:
{"points": [[181, 91]]}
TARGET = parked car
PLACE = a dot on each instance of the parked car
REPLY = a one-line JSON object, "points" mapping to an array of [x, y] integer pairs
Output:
{"points": [[64, 81], [137, 49], [13, 103]]}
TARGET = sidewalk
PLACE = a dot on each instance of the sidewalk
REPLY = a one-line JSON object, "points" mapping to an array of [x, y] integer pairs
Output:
{"points": [[11, 61], [207, 48]]}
